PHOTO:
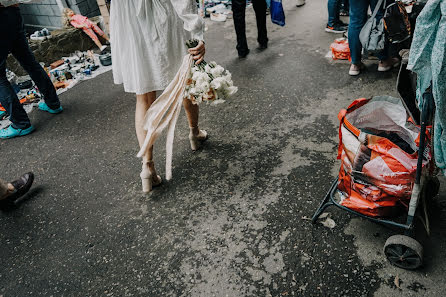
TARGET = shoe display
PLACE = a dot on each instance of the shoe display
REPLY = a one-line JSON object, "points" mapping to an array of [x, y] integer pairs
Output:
{"points": [[335, 29], [44, 107], [12, 132], [41, 35]]}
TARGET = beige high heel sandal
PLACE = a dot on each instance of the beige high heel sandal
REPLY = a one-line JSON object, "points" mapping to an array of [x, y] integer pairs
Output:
{"points": [[196, 140], [148, 178]]}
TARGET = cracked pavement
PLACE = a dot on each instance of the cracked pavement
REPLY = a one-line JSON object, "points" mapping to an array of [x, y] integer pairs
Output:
{"points": [[233, 220]]}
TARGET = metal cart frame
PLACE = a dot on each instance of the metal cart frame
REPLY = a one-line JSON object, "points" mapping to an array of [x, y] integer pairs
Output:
{"points": [[401, 250]]}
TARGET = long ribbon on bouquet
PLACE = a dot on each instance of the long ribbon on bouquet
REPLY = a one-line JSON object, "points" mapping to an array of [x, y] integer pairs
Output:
{"points": [[164, 113]]}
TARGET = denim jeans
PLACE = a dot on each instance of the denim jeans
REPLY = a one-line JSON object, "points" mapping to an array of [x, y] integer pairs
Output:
{"points": [[13, 40], [333, 12], [358, 17], [238, 9]]}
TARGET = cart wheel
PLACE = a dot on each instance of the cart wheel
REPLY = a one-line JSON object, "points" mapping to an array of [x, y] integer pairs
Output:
{"points": [[404, 252]]}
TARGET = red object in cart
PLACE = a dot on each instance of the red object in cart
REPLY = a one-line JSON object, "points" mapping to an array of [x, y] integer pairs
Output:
{"points": [[378, 150]]}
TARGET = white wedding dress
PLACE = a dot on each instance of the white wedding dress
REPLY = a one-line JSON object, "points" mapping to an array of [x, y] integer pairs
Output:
{"points": [[148, 41]]}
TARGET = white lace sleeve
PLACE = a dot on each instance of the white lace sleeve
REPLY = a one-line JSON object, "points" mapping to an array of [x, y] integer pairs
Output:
{"points": [[188, 13]]}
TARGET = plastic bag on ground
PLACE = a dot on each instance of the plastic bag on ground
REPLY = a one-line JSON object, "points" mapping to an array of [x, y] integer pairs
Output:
{"points": [[340, 49]]}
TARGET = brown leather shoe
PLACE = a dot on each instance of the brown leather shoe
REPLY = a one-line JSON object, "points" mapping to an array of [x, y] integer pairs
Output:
{"points": [[21, 186]]}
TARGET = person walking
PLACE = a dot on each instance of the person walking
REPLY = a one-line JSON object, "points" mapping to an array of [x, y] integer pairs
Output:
{"points": [[148, 42], [239, 9], [17, 188], [358, 17], [13, 40]]}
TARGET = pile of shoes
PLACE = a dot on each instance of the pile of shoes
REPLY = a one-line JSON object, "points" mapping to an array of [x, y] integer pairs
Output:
{"points": [[24, 88], [77, 66], [41, 35], [218, 10]]}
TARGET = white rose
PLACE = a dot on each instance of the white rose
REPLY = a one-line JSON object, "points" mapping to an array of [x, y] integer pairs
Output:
{"points": [[218, 83], [228, 76], [196, 75], [232, 90], [217, 71], [207, 68]]}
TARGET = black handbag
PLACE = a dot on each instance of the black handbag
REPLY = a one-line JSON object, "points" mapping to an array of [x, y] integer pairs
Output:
{"points": [[396, 23]]}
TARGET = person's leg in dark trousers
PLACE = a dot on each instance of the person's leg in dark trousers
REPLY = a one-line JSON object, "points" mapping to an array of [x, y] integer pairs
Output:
{"points": [[21, 51], [333, 12], [10, 101], [260, 10], [9, 27], [238, 10]]}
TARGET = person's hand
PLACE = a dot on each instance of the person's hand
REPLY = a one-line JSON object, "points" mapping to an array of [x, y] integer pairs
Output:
{"points": [[198, 52]]}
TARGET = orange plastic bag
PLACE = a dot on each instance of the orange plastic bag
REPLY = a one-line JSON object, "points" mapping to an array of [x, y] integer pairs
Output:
{"points": [[340, 49], [379, 152]]}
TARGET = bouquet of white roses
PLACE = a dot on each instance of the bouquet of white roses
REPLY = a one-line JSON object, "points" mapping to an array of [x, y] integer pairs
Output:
{"points": [[208, 82]]}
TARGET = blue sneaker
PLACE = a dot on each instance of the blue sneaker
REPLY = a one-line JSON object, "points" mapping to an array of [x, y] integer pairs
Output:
{"points": [[12, 132], [44, 107]]}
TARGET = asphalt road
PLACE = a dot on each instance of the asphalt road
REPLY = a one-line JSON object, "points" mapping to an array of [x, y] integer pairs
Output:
{"points": [[233, 220]]}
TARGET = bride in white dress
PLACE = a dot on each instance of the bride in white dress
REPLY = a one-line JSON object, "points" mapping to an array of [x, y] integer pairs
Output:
{"points": [[148, 42]]}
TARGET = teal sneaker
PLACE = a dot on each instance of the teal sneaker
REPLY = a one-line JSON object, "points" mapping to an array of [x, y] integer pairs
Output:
{"points": [[12, 132], [44, 107]]}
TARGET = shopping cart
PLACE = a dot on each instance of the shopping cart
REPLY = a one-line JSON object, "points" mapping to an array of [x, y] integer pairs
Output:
{"points": [[403, 250]]}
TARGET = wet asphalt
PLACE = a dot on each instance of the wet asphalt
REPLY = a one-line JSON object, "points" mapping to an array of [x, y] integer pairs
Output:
{"points": [[233, 221]]}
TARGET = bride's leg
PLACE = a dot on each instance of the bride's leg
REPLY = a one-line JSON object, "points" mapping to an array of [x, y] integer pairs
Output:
{"points": [[143, 103], [196, 135], [148, 175]]}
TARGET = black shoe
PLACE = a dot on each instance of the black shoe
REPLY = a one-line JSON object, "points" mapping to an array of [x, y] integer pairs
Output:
{"points": [[262, 47], [342, 24], [243, 54], [335, 29], [21, 186]]}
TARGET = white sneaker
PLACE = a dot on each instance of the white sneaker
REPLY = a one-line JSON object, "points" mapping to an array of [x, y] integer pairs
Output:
{"points": [[218, 17], [300, 3], [36, 36], [384, 66], [355, 70]]}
